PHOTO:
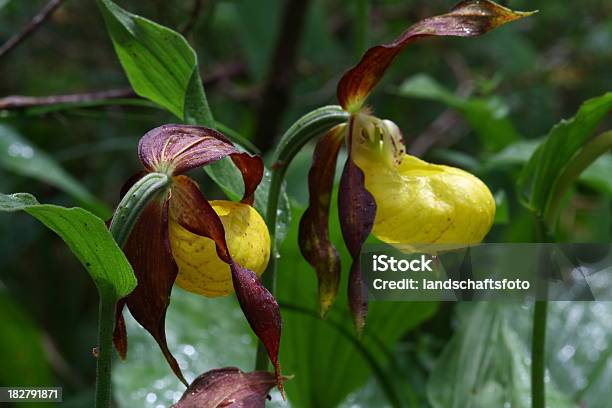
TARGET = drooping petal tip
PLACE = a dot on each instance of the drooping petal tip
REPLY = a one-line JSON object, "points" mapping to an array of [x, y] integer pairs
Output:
{"points": [[192, 212], [148, 251], [357, 210], [314, 241], [467, 19]]}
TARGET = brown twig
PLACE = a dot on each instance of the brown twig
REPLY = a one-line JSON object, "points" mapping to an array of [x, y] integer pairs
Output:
{"points": [[276, 91], [19, 101], [449, 119], [32, 26], [220, 74]]}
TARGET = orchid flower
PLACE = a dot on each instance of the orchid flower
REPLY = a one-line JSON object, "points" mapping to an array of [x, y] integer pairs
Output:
{"points": [[208, 248], [399, 198]]}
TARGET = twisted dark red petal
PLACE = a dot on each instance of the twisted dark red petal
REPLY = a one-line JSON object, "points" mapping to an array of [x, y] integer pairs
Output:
{"points": [[228, 387], [191, 210], [120, 333], [314, 239], [467, 19], [148, 251], [184, 147], [357, 210]]}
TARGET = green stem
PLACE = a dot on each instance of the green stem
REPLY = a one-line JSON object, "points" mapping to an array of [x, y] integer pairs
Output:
{"points": [[306, 128], [540, 314], [538, 358], [545, 233], [126, 215], [106, 323]]}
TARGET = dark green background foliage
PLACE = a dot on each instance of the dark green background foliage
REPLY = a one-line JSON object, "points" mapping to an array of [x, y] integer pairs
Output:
{"points": [[481, 104]]}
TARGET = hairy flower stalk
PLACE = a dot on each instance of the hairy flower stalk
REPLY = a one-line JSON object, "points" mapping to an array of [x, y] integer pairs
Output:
{"points": [[398, 198], [212, 248]]}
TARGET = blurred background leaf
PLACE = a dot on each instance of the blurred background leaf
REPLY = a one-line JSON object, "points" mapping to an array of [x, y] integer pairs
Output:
{"points": [[487, 116], [21, 157], [23, 341], [544, 173]]}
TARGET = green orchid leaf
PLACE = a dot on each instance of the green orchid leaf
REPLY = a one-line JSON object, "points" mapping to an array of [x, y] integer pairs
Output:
{"points": [[596, 176], [19, 156], [568, 144], [484, 364], [487, 116], [87, 237], [343, 362], [159, 63]]}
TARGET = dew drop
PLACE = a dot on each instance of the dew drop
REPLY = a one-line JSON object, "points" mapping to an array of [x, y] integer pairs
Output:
{"points": [[20, 150]]}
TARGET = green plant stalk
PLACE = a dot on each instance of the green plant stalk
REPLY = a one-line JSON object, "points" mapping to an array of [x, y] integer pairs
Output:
{"points": [[545, 227], [124, 219], [538, 359], [538, 333], [306, 128], [106, 324]]}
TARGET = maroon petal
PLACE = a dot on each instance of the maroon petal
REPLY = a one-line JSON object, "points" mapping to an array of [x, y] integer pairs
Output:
{"points": [[179, 148], [228, 387], [252, 170], [191, 210], [148, 251], [314, 239], [357, 210], [468, 19], [120, 333]]}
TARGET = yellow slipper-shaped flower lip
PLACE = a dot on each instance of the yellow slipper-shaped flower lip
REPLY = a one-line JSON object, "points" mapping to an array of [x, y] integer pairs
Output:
{"points": [[421, 203], [183, 214], [199, 268]]}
